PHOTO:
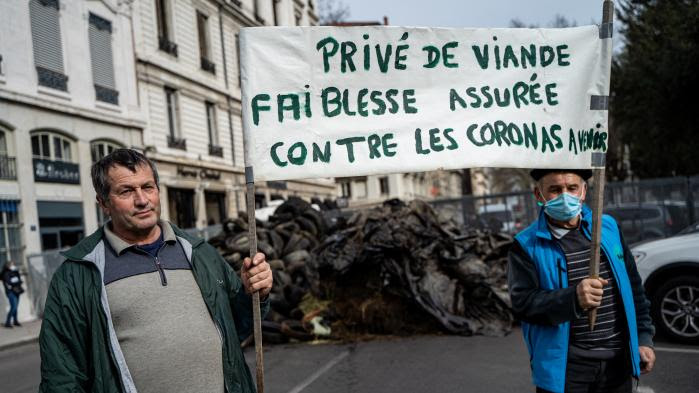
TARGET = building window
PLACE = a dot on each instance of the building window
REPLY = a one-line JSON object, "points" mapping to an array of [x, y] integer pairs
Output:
{"points": [[260, 200], [212, 128], [383, 185], [100, 149], [60, 224], [49, 146], [215, 207], [346, 189], [3, 143], [11, 245], [361, 188], [173, 114], [53, 158], [165, 38], [46, 40], [100, 34], [181, 207], [204, 48], [8, 165]]}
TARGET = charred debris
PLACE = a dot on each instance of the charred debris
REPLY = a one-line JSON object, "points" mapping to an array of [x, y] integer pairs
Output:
{"points": [[395, 269]]}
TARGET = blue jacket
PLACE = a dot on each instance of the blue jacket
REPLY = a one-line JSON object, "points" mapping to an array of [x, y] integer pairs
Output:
{"points": [[545, 304]]}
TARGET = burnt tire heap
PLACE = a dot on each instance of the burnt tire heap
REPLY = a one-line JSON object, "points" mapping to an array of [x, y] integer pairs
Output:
{"points": [[394, 269]]}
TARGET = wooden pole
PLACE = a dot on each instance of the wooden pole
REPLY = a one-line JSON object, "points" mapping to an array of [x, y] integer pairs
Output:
{"points": [[598, 167], [597, 202], [256, 314]]}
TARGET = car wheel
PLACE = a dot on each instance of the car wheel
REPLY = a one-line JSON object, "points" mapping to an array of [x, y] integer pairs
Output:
{"points": [[675, 308]]}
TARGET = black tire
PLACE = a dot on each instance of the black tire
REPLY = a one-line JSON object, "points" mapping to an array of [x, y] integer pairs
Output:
{"points": [[664, 304]]}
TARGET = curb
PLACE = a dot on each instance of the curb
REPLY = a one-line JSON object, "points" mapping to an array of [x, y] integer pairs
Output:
{"points": [[19, 343]]}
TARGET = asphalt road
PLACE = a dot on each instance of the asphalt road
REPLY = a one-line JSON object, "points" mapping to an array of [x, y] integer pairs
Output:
{"points": [[417, 364], [440, 364], [19, 369]]}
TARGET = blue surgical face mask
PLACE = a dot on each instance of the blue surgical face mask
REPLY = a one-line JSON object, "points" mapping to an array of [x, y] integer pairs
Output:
{"points": [[564, 207]]}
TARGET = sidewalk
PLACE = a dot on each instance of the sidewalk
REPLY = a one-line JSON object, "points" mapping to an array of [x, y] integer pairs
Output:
{"points": [[16, 336]]}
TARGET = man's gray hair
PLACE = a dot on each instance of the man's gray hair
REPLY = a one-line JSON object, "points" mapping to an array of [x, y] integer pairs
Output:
{"points": [[128, 158]]}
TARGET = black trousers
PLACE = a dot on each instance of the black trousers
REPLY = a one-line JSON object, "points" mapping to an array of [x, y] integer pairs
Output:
{"points": [[597, 376]]}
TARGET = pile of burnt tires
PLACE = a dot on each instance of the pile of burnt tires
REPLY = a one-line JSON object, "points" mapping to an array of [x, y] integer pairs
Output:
{"points": [[394, 269]]}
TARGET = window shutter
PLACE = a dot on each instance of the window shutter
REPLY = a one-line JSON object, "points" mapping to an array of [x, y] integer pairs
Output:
{"points": [[46, 34], [100, 32]]}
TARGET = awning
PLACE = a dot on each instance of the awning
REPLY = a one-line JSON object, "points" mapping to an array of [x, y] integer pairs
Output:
{"points": [[8, 206]]}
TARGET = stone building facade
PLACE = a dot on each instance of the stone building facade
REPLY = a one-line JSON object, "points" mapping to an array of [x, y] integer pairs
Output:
{"points": [[188, 75], [370, 190], [67, 97]]}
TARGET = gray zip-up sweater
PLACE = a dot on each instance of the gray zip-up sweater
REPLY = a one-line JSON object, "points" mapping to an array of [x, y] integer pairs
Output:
{"points": [[169, 341]]}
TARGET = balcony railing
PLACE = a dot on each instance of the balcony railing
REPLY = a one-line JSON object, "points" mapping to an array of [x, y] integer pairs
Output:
{"points": [[8, 168], [176, 143], [167, 46], [215, 151], [106, 94], [208, 65], [52, 79]]}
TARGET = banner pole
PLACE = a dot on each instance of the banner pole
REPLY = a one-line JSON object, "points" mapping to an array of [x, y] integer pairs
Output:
{"points": [[598, 160], [256, 314], [597, 202]]}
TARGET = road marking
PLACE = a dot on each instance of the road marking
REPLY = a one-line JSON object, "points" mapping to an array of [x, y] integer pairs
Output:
{"points": [[676, 350], [337, 359], [645, 389]]}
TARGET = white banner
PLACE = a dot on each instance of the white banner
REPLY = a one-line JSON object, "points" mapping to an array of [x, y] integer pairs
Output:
{"points": [[334, 102]]}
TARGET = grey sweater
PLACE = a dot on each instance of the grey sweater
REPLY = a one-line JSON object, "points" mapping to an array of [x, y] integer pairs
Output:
{"points": [[164, 328]]}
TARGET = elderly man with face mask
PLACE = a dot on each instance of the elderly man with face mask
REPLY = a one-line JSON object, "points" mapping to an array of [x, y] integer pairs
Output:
{"points": [[551, 294]]}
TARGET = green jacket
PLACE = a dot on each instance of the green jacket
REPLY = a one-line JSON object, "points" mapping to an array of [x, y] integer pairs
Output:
{"points": [[79, 347]]}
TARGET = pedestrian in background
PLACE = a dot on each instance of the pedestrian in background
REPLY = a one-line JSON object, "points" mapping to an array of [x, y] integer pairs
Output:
{"points": [[13, 288]]}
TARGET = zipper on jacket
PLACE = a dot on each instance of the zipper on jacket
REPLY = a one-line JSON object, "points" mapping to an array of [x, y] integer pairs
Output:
{"points": [[561, 269], [161, 271], [163, 279]]}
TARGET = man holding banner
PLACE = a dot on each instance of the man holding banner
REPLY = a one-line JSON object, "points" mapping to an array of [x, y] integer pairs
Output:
{"points": [[368, 100], [550, 292], [140, 305]]}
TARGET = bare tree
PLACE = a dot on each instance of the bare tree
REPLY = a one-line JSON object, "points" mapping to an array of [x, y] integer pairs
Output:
{"points": [[332, 11], [558, 22]]}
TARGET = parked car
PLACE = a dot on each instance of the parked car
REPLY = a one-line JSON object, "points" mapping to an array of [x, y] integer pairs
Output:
{"points": [[670, 272], [498, 217], [648, 221]]}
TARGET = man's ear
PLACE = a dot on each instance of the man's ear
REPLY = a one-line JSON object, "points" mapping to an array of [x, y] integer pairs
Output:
{"points": [[102, 204], [584, 192], [538, 194]]}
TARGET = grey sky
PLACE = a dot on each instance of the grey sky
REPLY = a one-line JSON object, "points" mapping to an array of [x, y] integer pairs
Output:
{"points": [[472, 13]]}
